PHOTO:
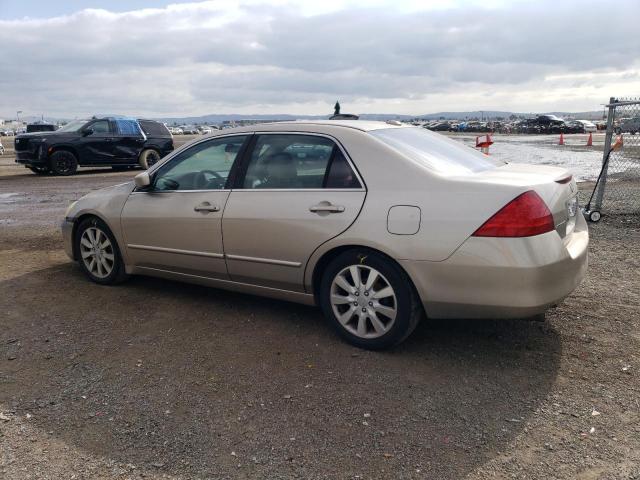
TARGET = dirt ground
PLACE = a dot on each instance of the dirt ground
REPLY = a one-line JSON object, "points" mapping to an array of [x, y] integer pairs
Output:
{"points": [[157, 379]]}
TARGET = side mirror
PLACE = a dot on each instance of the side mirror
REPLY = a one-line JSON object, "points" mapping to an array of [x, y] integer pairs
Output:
{"points": [[88, 131], [142, 180]]}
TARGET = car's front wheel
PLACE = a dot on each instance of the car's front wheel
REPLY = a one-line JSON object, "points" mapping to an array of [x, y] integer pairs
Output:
{"points": [[148, 158], [369, 299], [98, 252], [63, 162]]}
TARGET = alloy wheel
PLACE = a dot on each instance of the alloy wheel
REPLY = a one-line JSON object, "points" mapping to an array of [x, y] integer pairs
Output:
{"points": [[97, 252], [363, 301], [152, 158]]}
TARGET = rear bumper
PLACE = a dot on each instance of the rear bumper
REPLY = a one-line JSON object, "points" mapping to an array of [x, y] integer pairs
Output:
{"points": [[503, 277]]}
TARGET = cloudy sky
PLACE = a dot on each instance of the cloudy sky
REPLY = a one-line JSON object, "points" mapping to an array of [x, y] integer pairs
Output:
{"points": [[155, 58]]}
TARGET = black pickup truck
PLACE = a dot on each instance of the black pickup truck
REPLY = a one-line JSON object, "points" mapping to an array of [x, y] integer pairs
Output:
{"points": [[115, 142]]}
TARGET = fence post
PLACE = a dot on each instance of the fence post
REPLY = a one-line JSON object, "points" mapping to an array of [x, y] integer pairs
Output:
{"points": [[607, 146]]}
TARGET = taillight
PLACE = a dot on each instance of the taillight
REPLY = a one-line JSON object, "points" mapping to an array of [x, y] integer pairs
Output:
{"points": [[524, 216]]}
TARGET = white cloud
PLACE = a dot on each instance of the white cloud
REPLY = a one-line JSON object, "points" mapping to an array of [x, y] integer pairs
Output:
{"points": [[252, 57]]}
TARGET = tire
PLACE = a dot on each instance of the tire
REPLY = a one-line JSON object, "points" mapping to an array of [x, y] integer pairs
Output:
{"points": [[104, 264], [63, 163], [374, 323], [40, 170], [148, 158], [595, 216]]}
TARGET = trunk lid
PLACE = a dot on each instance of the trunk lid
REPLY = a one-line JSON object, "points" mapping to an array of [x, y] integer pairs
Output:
{"points": [[555, 185]]}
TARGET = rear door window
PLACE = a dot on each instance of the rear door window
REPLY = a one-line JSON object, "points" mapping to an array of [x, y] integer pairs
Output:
{"points": [[290, 161], [127, 127]]}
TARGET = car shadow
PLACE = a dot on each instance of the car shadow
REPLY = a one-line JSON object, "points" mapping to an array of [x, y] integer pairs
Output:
{"points": [[176, 377]]}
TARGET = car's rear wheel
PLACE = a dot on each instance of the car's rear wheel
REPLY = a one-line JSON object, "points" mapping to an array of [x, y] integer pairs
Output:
{"points": [[148, 158], [40, 170], [369, 299], [98, 252], [63, 163]]}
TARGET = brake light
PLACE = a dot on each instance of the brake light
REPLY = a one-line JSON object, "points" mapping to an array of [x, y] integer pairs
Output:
{"points": [[524, 216]]}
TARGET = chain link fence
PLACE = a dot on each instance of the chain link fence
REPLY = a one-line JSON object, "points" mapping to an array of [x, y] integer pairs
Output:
{"points": [[618, 188]]}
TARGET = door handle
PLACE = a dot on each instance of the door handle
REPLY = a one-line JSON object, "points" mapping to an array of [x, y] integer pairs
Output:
{"points": [[206, 207], [327, 207]]}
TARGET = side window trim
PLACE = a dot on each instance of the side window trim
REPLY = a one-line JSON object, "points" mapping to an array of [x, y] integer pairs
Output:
{"points": [[238, 183], [179, 156], [329, 165]]}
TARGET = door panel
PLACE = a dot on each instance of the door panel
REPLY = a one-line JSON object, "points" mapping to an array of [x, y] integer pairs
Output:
{"points": [[97, 147], [269, 235], [176, 230]]}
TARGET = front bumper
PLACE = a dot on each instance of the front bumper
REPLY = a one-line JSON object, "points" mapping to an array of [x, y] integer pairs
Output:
{"points": [[35, 157], [503, 277], [67, 236]]}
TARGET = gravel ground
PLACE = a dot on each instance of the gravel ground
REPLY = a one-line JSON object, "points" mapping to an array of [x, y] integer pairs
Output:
{"points": [[158, 379]]}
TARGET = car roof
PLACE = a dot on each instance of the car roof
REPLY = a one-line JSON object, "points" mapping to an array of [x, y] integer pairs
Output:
{"points": [[312, 125]]}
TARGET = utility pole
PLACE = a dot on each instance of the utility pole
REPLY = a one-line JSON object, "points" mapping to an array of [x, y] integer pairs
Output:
{"points": [[18, 115]]}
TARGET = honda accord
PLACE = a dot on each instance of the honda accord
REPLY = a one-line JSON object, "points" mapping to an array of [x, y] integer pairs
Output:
{"points": [[378, 224]]}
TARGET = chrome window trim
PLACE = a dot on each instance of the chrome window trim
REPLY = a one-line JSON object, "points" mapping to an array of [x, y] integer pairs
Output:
{"points": [[363, 187], [154, 192], [297, 190]]}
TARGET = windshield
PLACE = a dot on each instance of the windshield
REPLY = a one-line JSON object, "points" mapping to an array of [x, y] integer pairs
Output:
{"points": [[73, 126], [435, 151]]}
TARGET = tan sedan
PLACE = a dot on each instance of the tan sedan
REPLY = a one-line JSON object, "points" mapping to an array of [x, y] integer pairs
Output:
{"points": [[376, 223]]}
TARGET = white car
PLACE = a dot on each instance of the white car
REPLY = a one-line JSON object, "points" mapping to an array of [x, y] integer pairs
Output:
{"points": [[589, 127]]}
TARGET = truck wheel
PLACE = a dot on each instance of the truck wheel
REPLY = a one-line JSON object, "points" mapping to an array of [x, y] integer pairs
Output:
{"points": [[148, 158], [63, 163]]}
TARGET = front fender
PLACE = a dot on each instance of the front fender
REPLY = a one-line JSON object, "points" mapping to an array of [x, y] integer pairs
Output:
{"points": [[107, 205]]}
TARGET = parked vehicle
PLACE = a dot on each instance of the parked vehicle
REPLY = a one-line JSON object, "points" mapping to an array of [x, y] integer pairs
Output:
{"points": [[375, 223], [7, 133], [439, 127], [573, 126], [115, 142], [589, 127], [41, 127], [629, 125], [176, 131], [1, 149], [204, 130]]}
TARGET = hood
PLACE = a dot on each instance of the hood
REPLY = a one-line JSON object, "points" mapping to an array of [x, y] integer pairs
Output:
{"points": [[45, 135]]}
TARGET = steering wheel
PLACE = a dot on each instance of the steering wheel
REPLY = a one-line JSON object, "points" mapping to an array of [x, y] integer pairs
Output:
{"points": [[202, 181]]}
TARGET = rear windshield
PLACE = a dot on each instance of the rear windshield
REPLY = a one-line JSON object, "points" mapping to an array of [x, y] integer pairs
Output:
{"points": [[435, 151], [154, 129]]}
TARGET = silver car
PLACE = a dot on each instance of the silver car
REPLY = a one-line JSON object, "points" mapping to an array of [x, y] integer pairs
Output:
{"points": [[376, 223]]}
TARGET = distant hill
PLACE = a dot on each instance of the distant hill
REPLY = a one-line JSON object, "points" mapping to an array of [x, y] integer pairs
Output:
{"points": [[477, 114], [220, 117]]}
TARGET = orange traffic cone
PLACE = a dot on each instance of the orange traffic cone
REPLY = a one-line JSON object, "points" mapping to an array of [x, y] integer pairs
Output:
{"points": [[590, 140], [561, 142]]}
